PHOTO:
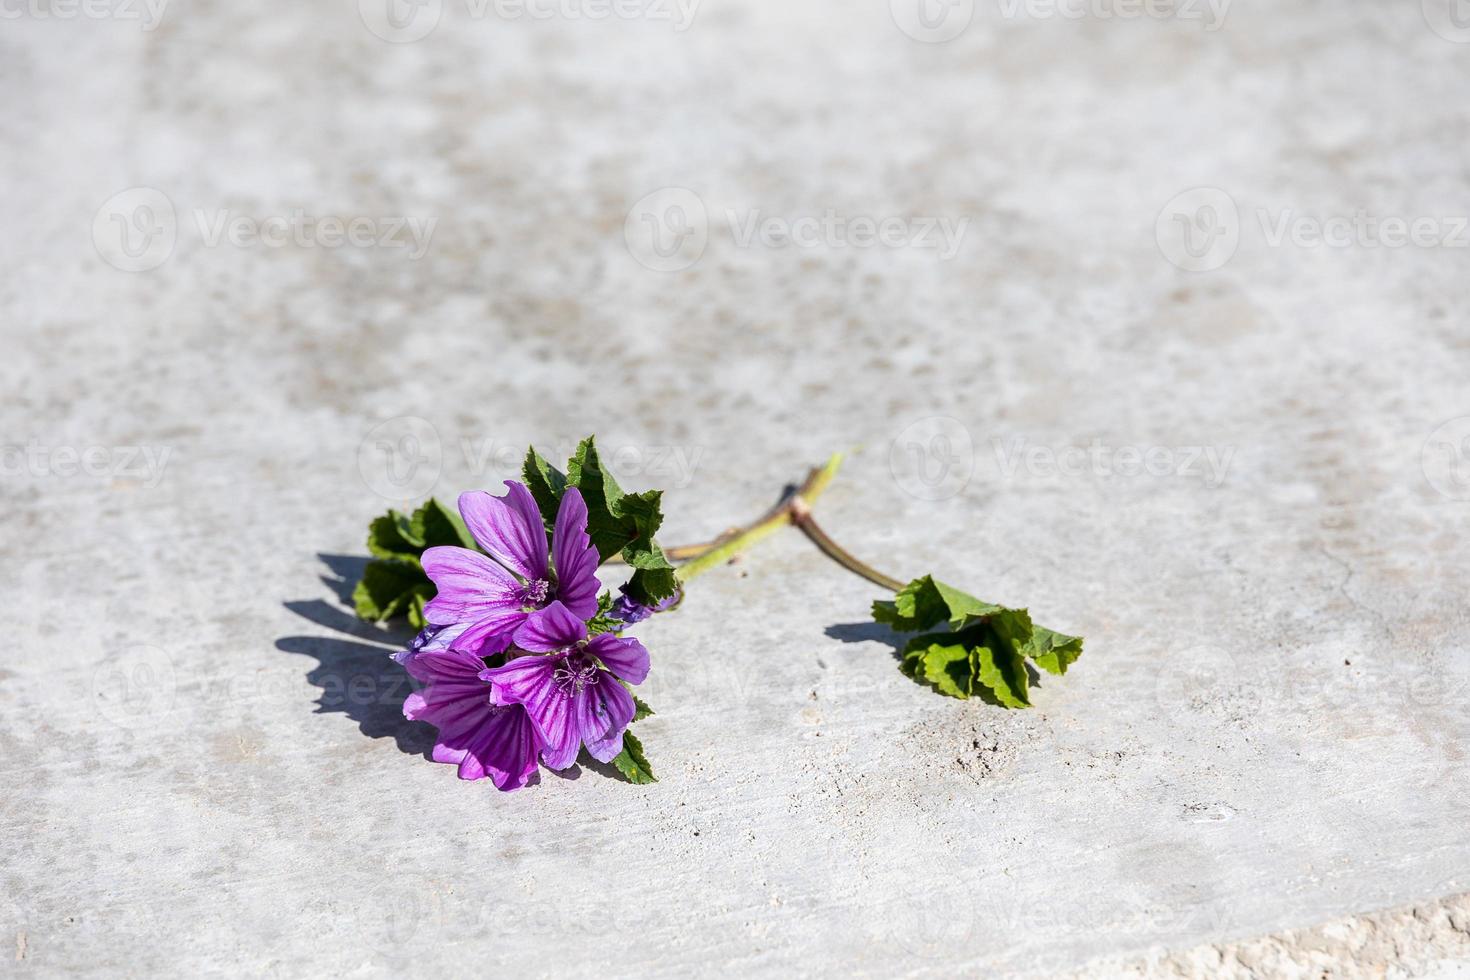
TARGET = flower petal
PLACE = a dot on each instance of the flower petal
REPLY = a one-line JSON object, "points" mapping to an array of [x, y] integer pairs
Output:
{"points": [[490, 635], [431, 638], [549, 629], [470, 586], [509, 528], [530, 681], [604, 710], [576, 560], [623, 655], [503, 747]]}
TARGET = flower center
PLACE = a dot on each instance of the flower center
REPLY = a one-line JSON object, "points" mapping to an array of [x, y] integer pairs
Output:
{"points": [[574, 674], [533, 595]]}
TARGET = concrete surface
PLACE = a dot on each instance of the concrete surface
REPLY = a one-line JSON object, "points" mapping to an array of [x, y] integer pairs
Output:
{"points": [[1234, 461]]}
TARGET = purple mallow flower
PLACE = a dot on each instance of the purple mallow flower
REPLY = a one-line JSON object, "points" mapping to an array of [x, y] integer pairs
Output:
{"points": [[571, 691], [494, 598], [631, 611], [482, 737]]}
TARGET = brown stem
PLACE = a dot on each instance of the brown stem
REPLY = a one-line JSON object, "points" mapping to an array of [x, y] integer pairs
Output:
{"points": [[801, 516]]}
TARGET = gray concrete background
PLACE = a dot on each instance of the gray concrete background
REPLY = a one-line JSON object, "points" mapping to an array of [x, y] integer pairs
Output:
{"points": [[205, 767]]}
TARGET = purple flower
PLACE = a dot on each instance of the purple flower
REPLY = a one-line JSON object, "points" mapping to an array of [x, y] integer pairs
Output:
{"points": [[483, 737], [571, 692], [493, 600], [631, 611]]}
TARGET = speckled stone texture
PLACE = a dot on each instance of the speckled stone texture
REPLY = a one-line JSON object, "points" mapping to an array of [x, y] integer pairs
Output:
{"points": [[1235, 459]]}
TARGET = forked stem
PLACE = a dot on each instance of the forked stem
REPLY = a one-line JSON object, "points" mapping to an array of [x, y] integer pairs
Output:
{"points": [[737, 540]]}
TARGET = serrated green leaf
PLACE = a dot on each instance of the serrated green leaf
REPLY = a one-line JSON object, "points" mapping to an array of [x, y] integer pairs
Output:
{"points": [[1054, 652], [641, 708], [546, 484], [623, 523], [652, 586], [997, 641], [918, 606], [388, 537], [949, 669], [386, 589], [632, 763], [1003, 672], [437, 525]]}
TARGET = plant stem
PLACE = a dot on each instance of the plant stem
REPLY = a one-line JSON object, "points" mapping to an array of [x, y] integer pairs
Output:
{"points": [[802, 517], [737, 540]]}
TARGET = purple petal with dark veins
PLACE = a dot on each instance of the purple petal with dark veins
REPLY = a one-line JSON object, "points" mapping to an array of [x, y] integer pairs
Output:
{"points": [[623, 655], [575, 558], [509, 528]]}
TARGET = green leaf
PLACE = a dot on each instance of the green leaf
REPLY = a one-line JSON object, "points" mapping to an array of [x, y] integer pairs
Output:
{"points": [[622, 523], [387, 588], [389, 537], [1003, 672], [437, 525], [395, 583], [1054, 652], [546, 484], [983, 651], [641, 708], [949, 669], [632, 763]]}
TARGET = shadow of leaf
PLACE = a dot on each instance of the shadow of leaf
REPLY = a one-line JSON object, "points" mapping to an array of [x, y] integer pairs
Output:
{"points": [[358, 677]]}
